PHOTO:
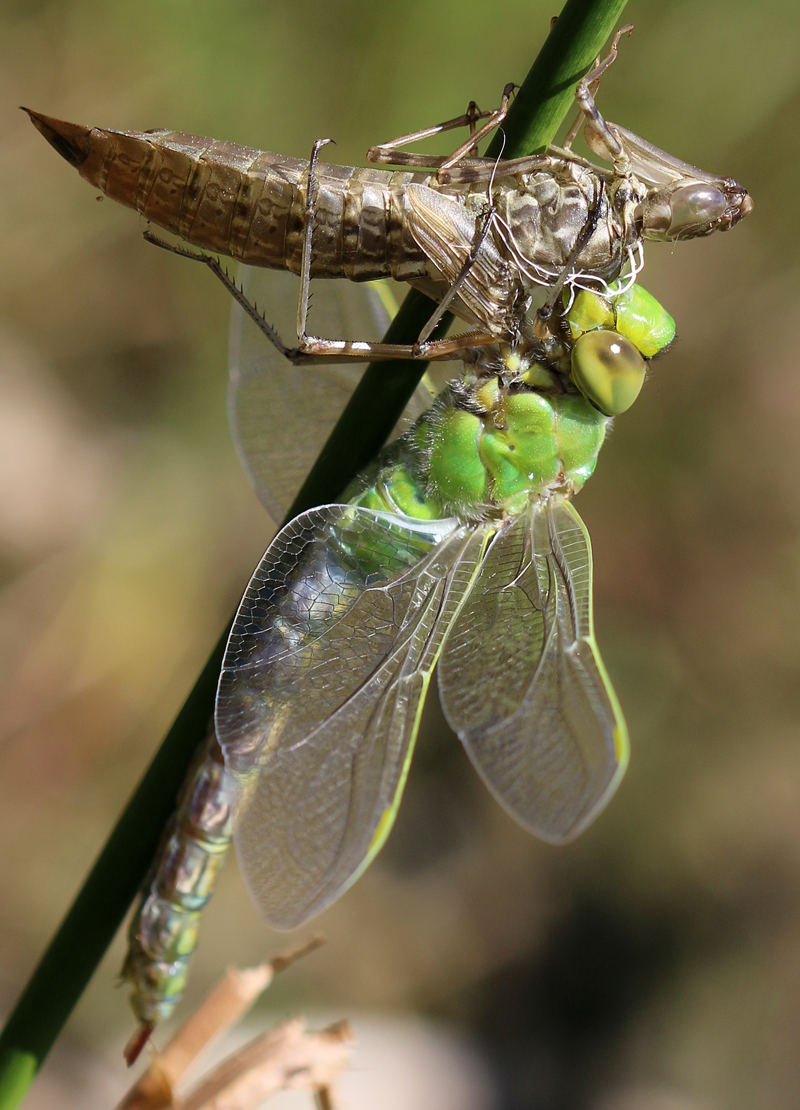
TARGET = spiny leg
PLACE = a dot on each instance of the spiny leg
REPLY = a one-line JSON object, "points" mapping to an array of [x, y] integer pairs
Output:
{"points": [[308, 232], [238, 294], [470, 171], [584, 94], [575, 126], [316, 350], [384, 151], [494, 121], [456, 168], [321, 351]]}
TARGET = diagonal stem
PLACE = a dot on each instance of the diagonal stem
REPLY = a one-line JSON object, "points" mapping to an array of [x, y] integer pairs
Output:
{"points": [[377, 403]]}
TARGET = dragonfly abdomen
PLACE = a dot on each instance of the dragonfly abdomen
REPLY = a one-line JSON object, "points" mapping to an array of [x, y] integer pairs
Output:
{"points": [[163, 931]]}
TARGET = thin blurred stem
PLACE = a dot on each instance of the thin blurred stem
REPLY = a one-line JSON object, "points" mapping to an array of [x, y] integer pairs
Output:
{"points": [[377, 403]]}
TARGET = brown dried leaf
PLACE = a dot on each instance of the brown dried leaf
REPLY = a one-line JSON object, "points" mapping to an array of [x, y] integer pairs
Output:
{"points": [[222, 1008], [286, 1057]]}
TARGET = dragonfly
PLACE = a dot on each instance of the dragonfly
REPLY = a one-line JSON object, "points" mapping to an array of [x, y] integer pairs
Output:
{"points": [[460, 545]]}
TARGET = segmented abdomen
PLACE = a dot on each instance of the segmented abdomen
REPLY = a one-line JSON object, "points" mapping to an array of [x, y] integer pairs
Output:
{"points": [[250, 203], [163, 931]]}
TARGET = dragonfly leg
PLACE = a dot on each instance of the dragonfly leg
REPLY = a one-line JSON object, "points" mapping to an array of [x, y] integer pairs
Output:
{"points": [[592, 80], [584, 94], [429, 161], [314, 350], [388, 153], [575, 126], [234, 290], [317, 351], [483, 169], [469, 170], [471, 145], [308, 232]]}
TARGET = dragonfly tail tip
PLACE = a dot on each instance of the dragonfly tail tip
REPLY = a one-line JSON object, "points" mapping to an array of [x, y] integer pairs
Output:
{"points": [[137, 1042]]}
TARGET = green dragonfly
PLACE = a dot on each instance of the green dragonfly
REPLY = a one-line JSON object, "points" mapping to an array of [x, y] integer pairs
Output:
{"points": [[460, 544]]}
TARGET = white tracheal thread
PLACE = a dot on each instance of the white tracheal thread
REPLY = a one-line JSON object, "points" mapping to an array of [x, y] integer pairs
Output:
{"points": [[540, 275]]}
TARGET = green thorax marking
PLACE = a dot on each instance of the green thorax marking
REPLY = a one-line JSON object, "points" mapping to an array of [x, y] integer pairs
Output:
{"points": [[483, 450]]}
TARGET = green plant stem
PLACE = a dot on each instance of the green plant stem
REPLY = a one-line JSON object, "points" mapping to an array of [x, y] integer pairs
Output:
{"points": [[383, 392]]}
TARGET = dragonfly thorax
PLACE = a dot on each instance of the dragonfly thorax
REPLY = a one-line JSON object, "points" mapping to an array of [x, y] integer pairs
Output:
{"points": [[526, 420], [485, 448]]}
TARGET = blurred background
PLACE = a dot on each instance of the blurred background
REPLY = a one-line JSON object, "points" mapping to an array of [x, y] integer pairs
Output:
{"points": [[655, 963]]}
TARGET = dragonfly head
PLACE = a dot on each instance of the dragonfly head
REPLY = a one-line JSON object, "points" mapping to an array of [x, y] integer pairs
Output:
{"points": [[614, 337], [686, 210]]}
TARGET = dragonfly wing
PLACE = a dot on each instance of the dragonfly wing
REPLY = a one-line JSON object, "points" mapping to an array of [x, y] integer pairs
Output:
{"points": [[281, 415], [321, 691], [522, 682]]}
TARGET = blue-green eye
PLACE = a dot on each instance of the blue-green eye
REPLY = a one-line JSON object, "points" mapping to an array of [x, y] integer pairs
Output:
{"points": [[608, 370]]}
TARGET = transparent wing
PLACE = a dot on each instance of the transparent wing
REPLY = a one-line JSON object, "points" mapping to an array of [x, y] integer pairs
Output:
{"points": [[281, 415], [321, 690], [522, 682]]}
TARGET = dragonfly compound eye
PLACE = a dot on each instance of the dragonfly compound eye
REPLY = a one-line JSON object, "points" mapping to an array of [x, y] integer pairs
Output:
{"points": [[608, 370]]}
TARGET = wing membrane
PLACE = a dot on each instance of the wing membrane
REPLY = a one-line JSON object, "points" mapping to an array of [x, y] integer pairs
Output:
{"points": [[321, 690], [522, 682], [281, 415]]}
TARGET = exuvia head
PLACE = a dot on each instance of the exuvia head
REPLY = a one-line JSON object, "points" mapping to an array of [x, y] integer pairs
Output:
{"points": [[671, 199], [687, 210]]}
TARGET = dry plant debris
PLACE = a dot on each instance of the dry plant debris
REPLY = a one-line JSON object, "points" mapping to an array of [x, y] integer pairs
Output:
{"points": [[288, 1056]]}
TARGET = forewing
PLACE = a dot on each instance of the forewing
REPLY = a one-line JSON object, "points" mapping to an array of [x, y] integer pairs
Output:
{"points": [[522, 682], [281, 415], [321, 690]]}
